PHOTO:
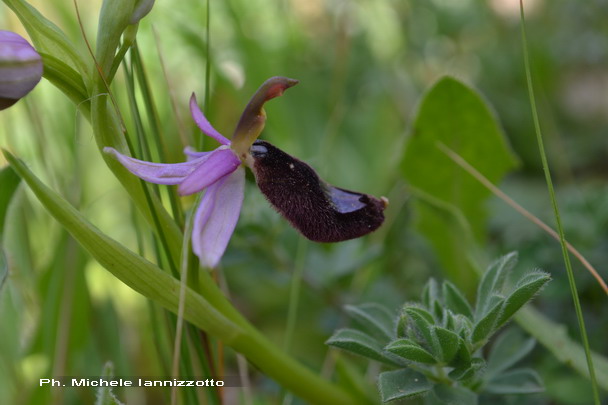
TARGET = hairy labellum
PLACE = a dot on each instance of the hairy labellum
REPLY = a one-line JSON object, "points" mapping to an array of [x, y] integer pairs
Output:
{"points": [[320, 211]]}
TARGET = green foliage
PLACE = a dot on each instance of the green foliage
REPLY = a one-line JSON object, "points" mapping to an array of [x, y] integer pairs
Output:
{"points": [[472, 131], [439, 341], [9, 181], [104, 395]]}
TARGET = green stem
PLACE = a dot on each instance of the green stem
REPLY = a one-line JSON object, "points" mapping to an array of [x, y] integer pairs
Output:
{"points": [[562, 238]]}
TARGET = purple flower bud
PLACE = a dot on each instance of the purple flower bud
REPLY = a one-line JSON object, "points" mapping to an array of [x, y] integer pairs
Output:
{"points": [[20, 68], [141, 9]]}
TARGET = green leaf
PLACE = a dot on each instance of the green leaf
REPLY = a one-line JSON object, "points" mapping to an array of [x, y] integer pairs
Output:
{"points": [[525, 290], [454, 395], [410, 350], [455, 300], [404, 383], [358, 342], [66, 79], [420, 322], [375, 319], [3, 268], [463, 326], [520, 381], [488, 324], [554, 337], [47, 37], [455, 115], [510, 347], [462, 359], [105, 396], [9, 181], [492, 283], [448, 341], [430, 293]]}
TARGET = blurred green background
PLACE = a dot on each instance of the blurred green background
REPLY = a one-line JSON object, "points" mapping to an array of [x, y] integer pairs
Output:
{"points": [[362, 66]]}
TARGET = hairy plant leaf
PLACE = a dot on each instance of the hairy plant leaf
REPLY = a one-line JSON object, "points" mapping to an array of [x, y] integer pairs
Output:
{"points": [[492, 283], [455, 115], [410, 350], [374, 318], [525, 290], [448, 341], [462, 359], [486, 326], [455, 300], [454, 395], [520, 381], [419, 325], [430, 293], [510, 347], [404, 383], [104, 395], [358, 342]]}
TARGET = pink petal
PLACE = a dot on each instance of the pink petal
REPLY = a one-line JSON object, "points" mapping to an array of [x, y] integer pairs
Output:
{"points": [[216, 165], [216, 217], [191, 153], [159, 173], [203, 124]]}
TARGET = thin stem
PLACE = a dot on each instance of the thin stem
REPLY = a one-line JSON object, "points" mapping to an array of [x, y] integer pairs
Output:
{"points": [[182, 298], [541, 148], [294, 300]]}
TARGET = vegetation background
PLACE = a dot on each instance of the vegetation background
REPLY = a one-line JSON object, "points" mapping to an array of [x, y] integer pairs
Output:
{"points": [[363, 66]]}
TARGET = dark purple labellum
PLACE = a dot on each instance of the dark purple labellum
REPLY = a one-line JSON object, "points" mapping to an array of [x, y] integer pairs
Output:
{"points": [[320, 211]]}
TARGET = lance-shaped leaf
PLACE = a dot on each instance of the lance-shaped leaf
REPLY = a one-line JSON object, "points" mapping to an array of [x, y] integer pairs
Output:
{"points": [[449, 342], [430, 293], [455, 300], [411, 351], [375, 319], [404, 383], [524, 291], [455, 395], [520, 381], [358, 342], [492, 283], [105, 396], [509, 348], [420, 322], [486, 326]]}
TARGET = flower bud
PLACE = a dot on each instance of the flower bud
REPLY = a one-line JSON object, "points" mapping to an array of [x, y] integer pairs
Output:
{"points": [[20, 68], [141, 9]]}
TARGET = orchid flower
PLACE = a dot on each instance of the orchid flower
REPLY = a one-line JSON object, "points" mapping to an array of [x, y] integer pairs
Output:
{"points": [[220, 172]]}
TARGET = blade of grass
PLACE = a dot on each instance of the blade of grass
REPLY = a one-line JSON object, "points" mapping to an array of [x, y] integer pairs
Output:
{"points": [[294, 300], [541, 148], [182, 294], [517, 207]]}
